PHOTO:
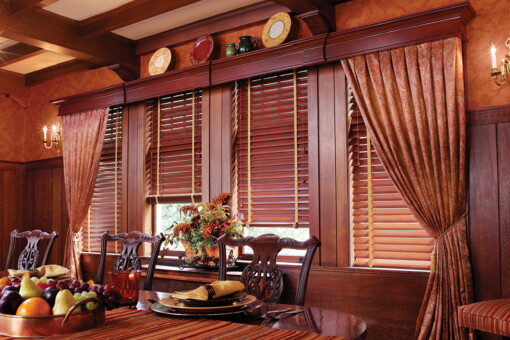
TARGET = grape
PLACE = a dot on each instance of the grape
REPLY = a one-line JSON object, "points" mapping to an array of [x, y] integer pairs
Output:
{"points": [[107, 288], [34, 278], [91, 305], [100, 290], [109, 306], [77, 296], [43, 279], [106, 293], [85, 286], [72, 289], [52, 283], [93, 288], [114, 289], [92, 295], [78, 290], [111, 298], [76, 283], [116, 303]]}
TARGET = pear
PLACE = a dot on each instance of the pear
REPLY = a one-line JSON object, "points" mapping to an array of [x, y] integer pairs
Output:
{"points": [[63, 302], [29, 289]]}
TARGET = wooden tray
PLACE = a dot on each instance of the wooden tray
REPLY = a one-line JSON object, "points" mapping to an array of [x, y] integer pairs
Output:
{"points": [[52, 325]]}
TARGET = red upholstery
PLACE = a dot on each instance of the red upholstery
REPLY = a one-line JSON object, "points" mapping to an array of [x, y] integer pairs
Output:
{"points": [[491, 316]]}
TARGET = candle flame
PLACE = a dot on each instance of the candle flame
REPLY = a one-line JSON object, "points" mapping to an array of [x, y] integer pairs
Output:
{"points": [[45, 128], [493, 49], [54, 128]]}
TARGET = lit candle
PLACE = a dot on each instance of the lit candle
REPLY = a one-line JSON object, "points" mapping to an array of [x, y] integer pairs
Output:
{"points": [[53, 132], [45, 129], [493, 55]]}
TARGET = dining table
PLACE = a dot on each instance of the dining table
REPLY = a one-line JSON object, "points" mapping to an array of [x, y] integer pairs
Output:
{"points": [[299, 322]]}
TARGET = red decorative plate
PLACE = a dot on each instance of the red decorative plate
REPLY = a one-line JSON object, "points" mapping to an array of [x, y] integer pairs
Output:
{"points": [[202, 49]]}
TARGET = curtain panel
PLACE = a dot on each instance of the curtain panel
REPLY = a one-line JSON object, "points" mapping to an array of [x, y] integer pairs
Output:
{"points": [[412, 101], [82, 139]]}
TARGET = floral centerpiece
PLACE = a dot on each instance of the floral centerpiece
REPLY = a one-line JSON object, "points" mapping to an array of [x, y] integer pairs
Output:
{"points": [[202, 225]]}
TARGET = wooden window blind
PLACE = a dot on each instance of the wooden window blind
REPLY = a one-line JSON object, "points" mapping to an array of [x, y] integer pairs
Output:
{"points": [[174, 147], [105, 211], [270, 156], [385, 232]]}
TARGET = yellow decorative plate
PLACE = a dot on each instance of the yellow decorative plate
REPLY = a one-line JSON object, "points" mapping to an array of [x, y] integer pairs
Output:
{"points": [[159, 61], [276, 29], [182, 308]]}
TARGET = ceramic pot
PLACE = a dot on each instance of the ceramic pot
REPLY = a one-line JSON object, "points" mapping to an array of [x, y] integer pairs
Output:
{"points": [[230, 50], [247, 44]]}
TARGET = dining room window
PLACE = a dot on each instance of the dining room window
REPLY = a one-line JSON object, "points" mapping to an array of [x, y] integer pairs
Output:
{"points": [[270, 154], [385, 233], [105, 211], [174, 148]]}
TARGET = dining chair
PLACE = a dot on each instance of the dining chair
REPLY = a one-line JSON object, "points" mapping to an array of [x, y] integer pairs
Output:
{"points": [[30, 256], [262, 277], [491, 316], [128, 258]]}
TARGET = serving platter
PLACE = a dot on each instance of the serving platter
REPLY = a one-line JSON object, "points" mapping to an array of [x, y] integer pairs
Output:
{"points": [[180, 307], [161, 309]]}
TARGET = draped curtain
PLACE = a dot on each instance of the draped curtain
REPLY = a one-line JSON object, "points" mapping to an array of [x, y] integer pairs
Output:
{"points": [[412, 101], [82, 139]]}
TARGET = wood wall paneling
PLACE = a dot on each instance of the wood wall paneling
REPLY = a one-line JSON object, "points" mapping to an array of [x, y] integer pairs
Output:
{"points": [[313, 157], [11, 185], [327, 166], [215, 160], [504, 206], [44, 204]]}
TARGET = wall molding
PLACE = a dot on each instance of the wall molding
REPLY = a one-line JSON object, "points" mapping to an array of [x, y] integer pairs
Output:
{"points": [[489, 115]]}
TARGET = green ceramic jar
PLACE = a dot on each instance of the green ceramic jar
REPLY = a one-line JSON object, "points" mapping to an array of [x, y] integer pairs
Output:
{"points": [[246, 44], [230, 50]]}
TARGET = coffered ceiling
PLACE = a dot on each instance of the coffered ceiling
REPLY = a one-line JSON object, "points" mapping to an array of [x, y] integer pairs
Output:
{"points": [[41, 39]]}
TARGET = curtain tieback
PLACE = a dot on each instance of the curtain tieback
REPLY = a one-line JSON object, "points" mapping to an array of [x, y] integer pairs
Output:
{"points": [[433, 257]]}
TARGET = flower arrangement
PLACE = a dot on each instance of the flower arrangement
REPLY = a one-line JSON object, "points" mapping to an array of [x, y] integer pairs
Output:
{"points": [[203, 224]]}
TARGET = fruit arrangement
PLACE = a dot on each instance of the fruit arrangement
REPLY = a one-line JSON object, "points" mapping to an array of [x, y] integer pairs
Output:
{"points": [[42, 296]]}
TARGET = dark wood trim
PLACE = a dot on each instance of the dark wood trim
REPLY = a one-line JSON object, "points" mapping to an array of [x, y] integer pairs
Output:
{"points": [[61, 69], [434, 24], [127, 14], [13, 84], [489, 115], [113, 95], [299, 53], [48, 163], [238, 18], [190, 78]]}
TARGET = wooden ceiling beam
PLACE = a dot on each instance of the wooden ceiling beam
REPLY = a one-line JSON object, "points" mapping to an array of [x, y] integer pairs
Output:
{"points": [[319, 15], [16, 53], [128, 14], [55, 33], [21, 6], [61, 69], [235, 19]]}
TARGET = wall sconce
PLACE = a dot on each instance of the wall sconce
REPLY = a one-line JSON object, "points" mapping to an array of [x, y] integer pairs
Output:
{"points": [[505, 66], [55, 137]]}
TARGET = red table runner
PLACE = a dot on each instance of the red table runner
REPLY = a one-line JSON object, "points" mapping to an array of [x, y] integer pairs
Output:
{"points": [[126, 323]]}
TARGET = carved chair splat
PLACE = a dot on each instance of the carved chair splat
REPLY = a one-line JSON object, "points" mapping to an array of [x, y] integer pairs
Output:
{"points": [[128, 258], [30, 256], [262, 277]]}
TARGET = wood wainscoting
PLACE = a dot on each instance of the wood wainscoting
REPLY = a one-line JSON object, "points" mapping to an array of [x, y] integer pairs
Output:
{"points": [[489, 202]]}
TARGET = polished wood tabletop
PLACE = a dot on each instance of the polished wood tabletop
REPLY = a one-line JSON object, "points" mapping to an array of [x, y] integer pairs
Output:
{"points": [[313, 319]]}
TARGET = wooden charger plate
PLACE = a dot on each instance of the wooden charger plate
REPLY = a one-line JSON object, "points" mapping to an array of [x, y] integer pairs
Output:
{"points": [[159, 308], [176, 306]]}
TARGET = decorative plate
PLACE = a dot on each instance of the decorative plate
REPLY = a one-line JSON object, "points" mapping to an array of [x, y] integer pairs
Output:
{"points": [[159, 61], [159, 308], [223, 301], [276, 29], [179, 307], [202, 49]]}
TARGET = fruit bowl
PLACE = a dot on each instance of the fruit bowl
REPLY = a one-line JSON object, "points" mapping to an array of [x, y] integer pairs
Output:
{"points": [[52, 325]]}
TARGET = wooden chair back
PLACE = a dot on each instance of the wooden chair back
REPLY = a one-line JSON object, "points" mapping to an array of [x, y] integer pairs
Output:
{"points": [[262, 277], [30, 256], [128, 258]]}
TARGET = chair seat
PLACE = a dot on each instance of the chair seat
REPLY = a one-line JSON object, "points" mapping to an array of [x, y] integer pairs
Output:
{"points": [[491, 316]]}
